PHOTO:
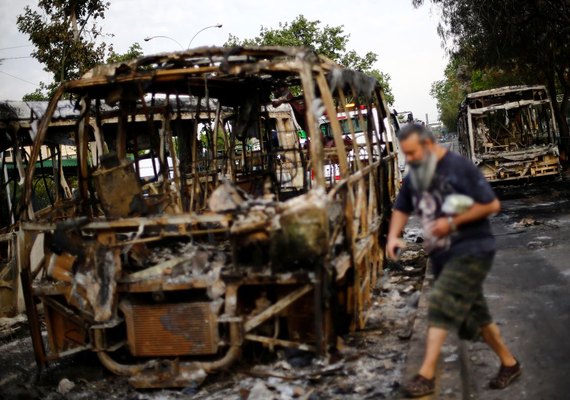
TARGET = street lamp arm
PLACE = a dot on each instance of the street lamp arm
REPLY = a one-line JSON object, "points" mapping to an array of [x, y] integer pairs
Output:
{"points": [[146, 39], [201, 30]]}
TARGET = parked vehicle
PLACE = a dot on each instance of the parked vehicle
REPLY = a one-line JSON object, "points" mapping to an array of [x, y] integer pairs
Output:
{"points": [[355, 129], [510, 133]]}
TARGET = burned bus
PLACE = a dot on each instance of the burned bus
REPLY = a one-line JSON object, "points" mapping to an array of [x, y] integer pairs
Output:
{"points": [[18, 127], [510, 133], [234, 238]]}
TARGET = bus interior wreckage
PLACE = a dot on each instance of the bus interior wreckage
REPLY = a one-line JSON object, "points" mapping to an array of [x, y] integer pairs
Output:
{"points": [[510, 133], [196, 222]]}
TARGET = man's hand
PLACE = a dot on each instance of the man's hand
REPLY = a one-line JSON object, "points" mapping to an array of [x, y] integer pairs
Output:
{"points": [[440, 227], [397, 223], [392, 245]]}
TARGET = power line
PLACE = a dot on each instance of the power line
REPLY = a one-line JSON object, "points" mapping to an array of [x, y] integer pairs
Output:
{"points": [[13, 58], [16, 47], [20, 79]]}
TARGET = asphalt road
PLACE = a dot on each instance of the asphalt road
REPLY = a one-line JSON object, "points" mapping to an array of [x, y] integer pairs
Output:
{"points": [[528, 292]]}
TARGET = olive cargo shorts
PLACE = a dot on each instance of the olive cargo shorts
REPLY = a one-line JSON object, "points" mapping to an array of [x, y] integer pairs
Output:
{"points": [[456, 302]]}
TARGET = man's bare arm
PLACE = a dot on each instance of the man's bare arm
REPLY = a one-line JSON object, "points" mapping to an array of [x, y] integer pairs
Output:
{"points": [[478, 211], [397, 224]]}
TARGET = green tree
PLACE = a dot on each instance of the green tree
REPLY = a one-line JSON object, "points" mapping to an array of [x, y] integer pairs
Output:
{"points": [[66, 37], [460, 79], [449, 93], [42, 93], [529, 37], [330, 41], [135, 51]]}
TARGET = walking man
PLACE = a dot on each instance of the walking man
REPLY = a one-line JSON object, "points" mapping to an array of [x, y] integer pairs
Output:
{"points": [[460, 245]]}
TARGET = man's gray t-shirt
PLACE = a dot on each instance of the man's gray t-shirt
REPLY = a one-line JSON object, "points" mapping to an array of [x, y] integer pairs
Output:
{"points": [[453, 175]]}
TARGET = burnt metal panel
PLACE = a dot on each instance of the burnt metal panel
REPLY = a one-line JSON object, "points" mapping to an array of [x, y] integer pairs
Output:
{"points": [[65, 331], [119, 190], [8, 277], [171, 329]]}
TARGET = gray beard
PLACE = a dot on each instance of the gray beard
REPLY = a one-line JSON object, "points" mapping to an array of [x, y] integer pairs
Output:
{"points": [[422, 175]]}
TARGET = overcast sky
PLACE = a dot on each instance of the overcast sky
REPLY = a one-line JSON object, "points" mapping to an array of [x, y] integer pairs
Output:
{"points": [[404, 38]]}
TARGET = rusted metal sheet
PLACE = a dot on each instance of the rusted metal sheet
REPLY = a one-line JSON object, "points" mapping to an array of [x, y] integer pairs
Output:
{"points": [[66, 330], [8, 276], [510, 133], [178, 329], [118, 187], [236, 237]]}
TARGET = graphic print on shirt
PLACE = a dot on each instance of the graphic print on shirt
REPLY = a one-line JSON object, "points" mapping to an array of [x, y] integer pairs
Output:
{"points": [[429, 205]]}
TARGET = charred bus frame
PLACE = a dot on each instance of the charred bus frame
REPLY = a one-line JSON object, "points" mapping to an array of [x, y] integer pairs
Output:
{"points": [[510, 133], [167, 279]]}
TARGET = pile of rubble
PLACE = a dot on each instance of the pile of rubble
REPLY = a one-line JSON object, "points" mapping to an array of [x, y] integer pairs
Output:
{"points": [[12, 327], [369, 363]]}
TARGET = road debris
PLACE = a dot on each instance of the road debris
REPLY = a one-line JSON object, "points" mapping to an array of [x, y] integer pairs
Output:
{"points": [[260, 392], [65, 386], [12, 327], [525, 222], [539, 244]]}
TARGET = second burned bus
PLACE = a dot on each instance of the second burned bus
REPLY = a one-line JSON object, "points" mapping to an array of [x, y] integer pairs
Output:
{"points": [[510, 133]]}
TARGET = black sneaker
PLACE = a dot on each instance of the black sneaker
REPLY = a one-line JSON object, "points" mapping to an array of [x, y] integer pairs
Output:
{"points": [[506, 376], [418, 386]]}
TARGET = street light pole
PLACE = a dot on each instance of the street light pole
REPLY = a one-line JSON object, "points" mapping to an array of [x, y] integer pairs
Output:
{"points": [[201, 30], [146, 39]]}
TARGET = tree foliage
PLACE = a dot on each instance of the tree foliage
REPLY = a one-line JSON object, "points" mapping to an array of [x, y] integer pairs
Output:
{"points": [[449, 94], [330, 41], [460, 78], [66, 37], [134, 51], [529, 37], [42, 93]]}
